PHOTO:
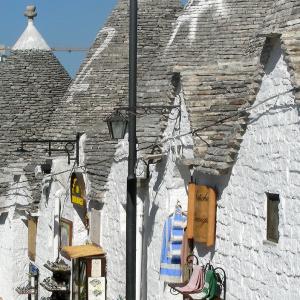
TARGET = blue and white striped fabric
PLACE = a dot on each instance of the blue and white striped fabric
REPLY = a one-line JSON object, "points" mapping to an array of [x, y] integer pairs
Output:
{"points": [[177, 231], [170, 264]]}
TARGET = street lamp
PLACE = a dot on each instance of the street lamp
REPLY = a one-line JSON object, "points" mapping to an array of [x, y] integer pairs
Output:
{"points": [[131, 178], [117, 128], [117, 125]]}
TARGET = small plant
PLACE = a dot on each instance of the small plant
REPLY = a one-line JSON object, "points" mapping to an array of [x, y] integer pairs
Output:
{"points": [[120, 298]]}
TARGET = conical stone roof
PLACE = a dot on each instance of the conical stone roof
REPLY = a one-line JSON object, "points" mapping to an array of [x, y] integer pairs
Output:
{"points": [[102, 82], [216, 47], [210, 46], [282, 15], [32, 83]]}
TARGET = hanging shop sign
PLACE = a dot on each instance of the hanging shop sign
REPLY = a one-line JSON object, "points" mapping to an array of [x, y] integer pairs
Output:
{"points": [[202, 214], [77, 189]]}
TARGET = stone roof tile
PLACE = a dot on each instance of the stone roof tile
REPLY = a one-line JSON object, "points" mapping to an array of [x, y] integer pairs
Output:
{"points": [[101, 83], [32, 83]]}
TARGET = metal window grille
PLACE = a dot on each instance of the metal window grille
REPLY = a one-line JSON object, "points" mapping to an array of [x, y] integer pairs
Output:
{"points": [[273, 217]]}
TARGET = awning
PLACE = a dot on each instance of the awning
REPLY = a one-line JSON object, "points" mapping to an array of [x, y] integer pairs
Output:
{"points": [[82, 251]]}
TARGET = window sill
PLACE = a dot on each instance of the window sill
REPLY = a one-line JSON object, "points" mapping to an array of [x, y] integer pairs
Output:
{"points": [[269, 243]]}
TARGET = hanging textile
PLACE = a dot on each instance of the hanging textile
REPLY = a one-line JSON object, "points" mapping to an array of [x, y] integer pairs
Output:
{"points": [[170, 264]]}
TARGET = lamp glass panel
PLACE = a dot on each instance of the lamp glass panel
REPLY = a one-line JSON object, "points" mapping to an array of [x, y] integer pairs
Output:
{"points": [[118, 129]]}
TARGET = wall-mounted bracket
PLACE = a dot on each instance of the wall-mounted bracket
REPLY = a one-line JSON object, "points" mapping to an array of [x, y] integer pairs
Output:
{"points": [[68, 146]]}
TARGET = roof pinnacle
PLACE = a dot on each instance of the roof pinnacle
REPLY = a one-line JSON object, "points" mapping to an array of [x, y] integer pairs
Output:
{"points": [[30, 12], [31, 39]]}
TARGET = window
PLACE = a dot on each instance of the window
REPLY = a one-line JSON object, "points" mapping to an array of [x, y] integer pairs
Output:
{"points": [[273, 217], [66, 231]]}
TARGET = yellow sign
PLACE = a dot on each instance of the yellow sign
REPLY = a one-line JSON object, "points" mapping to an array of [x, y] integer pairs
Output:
{"points": [[77, 196]]}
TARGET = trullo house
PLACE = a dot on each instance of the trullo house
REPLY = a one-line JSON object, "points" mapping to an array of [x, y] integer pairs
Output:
{"points": [[218, 143]]}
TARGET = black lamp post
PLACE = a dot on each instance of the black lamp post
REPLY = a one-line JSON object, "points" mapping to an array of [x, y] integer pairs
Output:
{"points": [[131, 179], [117, 127]]}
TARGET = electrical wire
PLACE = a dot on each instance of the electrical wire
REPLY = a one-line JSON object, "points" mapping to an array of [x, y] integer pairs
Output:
{"points": [[28, 180], [238, 113], [191, 132]]}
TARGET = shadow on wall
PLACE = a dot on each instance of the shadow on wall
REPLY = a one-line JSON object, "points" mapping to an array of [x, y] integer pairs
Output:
{"points": [[203, 250], [81, 211], [95, 205], [149, 220], [46, 190], [271, 54], [218, 183], [160, 168], [269, 59], [185, 174], [148, 226]]}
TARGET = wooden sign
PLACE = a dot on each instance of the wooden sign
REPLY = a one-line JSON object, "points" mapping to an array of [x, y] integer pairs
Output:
{"points": [[32, 230], [191, 211], [202, 214], [77, 192]]}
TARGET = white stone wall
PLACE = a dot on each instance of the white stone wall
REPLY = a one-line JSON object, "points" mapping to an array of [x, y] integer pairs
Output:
{"points": [[58, 185], [113, 229], [14, 262], [166, 185], [13, 256], [268, 161]]}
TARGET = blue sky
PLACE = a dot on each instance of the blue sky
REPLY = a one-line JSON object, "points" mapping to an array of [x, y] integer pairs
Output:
{"points": [[62, 23]]}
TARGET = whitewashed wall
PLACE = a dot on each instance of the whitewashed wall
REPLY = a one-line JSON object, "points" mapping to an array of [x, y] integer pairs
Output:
{"points": [[56, 185], [13, 256], [14, 260], [159, 194], [268, 161], [53, 186], [168, 184]]}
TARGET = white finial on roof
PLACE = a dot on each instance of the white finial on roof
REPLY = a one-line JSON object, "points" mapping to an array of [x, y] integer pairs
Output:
{"points": [[31, 39]]}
